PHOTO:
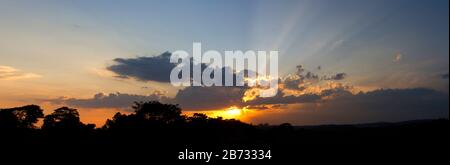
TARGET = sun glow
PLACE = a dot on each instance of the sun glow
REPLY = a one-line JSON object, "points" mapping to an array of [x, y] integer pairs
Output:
{"points": [[233, 112]]}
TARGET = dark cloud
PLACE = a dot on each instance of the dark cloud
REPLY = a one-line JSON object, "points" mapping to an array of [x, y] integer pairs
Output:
{"points": [[306, 75], [280, 99], [310, 76], [206, 98], [383, 105], [209, 98], [155, 68], [302, 78], [389, 105], [338, 76], [190, 98], [296, 82], [259, 107], [293, 83], [337, 91], [113, 100]]}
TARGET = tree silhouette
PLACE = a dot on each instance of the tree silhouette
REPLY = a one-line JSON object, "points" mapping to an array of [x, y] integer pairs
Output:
{"points": [[152, 114], [161, 130], [120, 120], [198, 118], [20, 117], [63, 118], [156, 111]]}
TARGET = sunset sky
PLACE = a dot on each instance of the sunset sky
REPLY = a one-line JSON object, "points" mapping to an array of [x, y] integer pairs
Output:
{"points": [[371, 60]]}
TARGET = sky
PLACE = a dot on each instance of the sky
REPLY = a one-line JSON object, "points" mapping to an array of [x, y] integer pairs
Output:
{"points": [[373, 60]]}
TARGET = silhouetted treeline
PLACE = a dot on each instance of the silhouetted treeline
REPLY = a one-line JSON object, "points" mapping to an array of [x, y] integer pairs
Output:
{"points": [[161, 131]]}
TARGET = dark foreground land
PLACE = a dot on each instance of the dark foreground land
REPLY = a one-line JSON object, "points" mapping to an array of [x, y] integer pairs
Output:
{"points": [[156, 134]]}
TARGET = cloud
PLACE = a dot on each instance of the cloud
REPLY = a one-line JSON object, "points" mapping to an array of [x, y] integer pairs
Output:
{"points": [[100, 100], [338, 91], [390, 105], [299, 79], [398, 57], [302, 79], [281, 99], [209, 98], [293, 83], [190, 98], [10, 73], [155, 68], [382, 105], [338, 76]]}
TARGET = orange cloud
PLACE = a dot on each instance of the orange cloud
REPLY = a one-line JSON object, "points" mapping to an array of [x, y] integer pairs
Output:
{"points": [[10, 73]]}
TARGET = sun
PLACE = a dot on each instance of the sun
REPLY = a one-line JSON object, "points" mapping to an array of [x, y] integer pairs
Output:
{"points": [[233, 111]]}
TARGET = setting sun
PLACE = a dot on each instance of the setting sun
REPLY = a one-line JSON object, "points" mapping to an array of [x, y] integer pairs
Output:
{"points": [[233, 111]]}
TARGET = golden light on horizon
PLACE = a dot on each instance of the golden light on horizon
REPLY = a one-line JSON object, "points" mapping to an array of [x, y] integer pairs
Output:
{"points": [[233, 112]]}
